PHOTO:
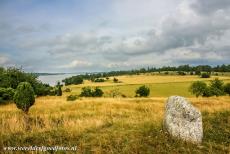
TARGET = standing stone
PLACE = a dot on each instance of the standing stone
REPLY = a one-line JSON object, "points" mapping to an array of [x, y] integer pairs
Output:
{"points": [[183, 120]]}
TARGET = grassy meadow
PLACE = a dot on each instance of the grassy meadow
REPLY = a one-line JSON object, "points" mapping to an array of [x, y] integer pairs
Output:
{"points": [[117, 125]]}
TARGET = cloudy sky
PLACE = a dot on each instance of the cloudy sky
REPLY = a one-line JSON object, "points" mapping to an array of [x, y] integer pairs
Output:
{"points": [[103, 35]]}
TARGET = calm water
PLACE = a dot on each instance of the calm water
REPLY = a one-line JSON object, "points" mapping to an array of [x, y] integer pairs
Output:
{"points": [[53, 79]]}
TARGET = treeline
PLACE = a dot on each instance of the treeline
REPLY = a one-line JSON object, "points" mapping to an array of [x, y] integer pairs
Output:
{"points": [[181, 70], [11, 77], [215, 88]]}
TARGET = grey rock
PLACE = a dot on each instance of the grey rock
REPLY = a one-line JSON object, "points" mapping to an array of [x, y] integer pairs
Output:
{"points": [[183, 120]]}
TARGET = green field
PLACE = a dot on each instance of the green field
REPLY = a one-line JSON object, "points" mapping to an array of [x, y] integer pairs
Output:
{"points": [[160, 86]]}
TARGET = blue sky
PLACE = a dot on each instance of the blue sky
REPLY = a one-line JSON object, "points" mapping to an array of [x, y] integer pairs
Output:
{"points": [[102, 35]]}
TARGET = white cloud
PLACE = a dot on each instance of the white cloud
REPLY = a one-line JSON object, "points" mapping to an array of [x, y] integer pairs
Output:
{"points": [[132, 34]]}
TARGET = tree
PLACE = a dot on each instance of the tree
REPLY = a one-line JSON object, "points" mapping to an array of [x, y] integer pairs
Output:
{"points": [[217, 87], [198, 88], [59, 91], [227, 88], [24, 96], [115, 80], [142, 91], [86, 92], [97, 92], [205, 75]]}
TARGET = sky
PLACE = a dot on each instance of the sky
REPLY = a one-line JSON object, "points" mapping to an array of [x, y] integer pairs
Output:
{"points": [[104, 35]]}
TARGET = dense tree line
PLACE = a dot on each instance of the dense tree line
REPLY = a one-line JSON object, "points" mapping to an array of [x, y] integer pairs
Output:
{"points": [[181, 70], [215, 88]]}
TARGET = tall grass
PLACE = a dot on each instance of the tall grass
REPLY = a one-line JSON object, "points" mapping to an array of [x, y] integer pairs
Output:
{"points": [[106, 125]]}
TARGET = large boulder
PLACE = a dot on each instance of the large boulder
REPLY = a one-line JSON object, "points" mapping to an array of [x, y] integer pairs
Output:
{"points": [[183, 120]]}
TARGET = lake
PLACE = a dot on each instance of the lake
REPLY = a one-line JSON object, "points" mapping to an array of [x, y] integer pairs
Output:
{"points": [[53, 79]]}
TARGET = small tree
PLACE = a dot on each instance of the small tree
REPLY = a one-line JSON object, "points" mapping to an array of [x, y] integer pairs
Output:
{"points": [[98, 92], [115, 80], [227, 88], [24, 96], [198, 88], [72, 97], [217, 87], [205, 75], [86, 92], [142, 91], [59, 91]]}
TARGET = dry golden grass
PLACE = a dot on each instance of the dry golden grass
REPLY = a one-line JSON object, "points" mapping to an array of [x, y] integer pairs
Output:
{"points": [[96, 112], [143, 79], [95, 125], [146, 79]]}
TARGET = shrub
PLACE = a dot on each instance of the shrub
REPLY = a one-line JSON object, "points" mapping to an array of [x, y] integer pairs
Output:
{"points": [[217, 87], [99, 80], [73, 80], [97, 92], [67, 90], [181, 73], [205, 75], [72, 97], [198, 88], [197, 72], [7, 93], [24, 96], [88, 92], [41, 89], [142, 91], [207, 92], [115, 80], [59, 91], [227, 88], [53, 91]]}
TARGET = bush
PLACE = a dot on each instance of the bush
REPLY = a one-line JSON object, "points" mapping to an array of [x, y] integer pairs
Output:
{"points": [[97, 92], [99, 80], [217, 87], [73, 80], [205, 75], [181, 73], [72, 97], [207, 92], [142, 91], [24, 96], [41, 89], [197, 72], [59, 91], [67, 90], [198, 88], [7, 93], [227, 88], [115, 80], [88, 92]]}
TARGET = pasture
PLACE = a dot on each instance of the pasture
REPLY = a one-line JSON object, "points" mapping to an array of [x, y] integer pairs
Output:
{"points": [[117, 125], [160, 85]]}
